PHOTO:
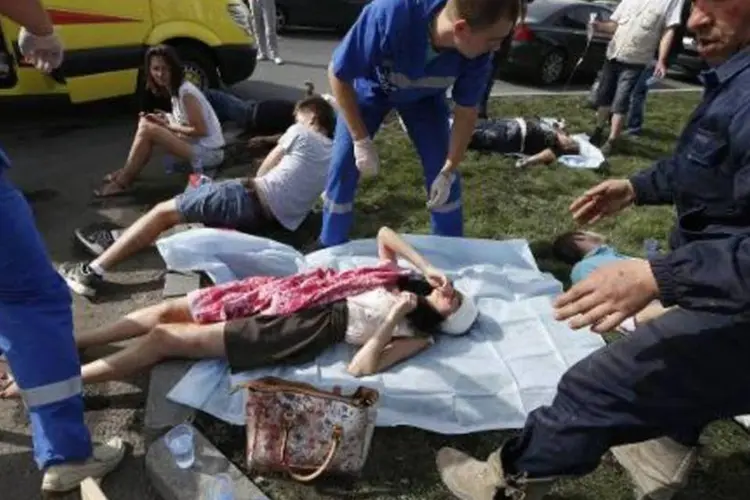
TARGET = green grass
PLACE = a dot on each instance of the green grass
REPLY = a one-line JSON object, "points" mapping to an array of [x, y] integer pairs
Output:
{"points": [[504, 202]]}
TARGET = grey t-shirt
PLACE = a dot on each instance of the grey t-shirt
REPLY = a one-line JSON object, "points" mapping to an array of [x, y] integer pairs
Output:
{"points": [[293, 186]]}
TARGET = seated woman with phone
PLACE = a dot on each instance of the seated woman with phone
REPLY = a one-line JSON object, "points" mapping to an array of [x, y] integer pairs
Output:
{"points": [[191, 132]]}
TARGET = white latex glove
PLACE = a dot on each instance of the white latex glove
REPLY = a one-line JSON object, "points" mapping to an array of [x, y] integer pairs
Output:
{"points": [[366, 157], [44, 52], [440, 189]]}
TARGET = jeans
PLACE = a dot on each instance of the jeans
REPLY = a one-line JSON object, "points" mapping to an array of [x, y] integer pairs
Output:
{"points": [[229, 107], [670, 377], [638, 100]]}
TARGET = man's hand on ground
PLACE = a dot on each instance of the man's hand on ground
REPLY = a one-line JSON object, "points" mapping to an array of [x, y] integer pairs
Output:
{"points": [[607, 198], [608, 296]]}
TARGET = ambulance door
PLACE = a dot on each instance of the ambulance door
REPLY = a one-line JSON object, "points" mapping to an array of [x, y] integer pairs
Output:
{"points": [[104, 46]]}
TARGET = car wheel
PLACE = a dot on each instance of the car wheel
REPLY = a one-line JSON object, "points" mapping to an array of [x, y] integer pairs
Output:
{"points": [[552, 68], [281, 20], [200, 68]]}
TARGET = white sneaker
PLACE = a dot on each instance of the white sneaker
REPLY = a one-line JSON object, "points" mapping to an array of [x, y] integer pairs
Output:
{"points": [[278, 61], [262, 57], [66, 477]]}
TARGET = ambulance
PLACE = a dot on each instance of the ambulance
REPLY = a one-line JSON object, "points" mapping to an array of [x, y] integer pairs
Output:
{"points": [[105, 42]]}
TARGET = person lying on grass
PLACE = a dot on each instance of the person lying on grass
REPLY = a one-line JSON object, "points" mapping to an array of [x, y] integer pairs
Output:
{"points": [[283, 192], [539, 142], [190, 132], [390, 313], [588, 251]]}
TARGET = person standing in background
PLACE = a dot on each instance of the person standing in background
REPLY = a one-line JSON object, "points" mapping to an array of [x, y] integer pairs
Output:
{"points": [[263, 13], [640, 92], [36, 321]]}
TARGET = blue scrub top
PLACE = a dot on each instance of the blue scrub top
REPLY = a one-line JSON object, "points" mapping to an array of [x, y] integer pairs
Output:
{"points": [[386, 55], [593, 260]]}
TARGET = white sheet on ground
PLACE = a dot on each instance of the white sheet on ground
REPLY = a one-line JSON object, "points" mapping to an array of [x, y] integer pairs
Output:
{"points": [[508, 365]]}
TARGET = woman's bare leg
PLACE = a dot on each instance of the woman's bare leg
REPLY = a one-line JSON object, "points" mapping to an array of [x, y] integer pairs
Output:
{"points": [[174, 340], [146, 137], [137, 323]]}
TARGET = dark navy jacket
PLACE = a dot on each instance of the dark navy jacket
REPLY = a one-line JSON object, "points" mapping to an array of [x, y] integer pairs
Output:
{"points": [[708, 180], [386, 57]]}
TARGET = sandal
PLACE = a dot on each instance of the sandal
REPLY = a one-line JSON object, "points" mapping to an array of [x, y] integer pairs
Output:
{"points": [[107, 190]]}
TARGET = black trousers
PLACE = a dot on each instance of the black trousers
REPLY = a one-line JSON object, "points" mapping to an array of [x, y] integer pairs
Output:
{"points": [[672, 377]]}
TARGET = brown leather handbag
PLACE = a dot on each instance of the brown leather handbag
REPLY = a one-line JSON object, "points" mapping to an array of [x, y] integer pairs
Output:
{"points": [[306, 432]]}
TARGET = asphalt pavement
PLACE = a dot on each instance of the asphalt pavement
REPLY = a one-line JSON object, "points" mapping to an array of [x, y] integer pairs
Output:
{"points": [[57, 161]]}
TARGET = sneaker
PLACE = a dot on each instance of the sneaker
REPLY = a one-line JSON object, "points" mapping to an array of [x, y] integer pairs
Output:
{"points": [[278, 61], [262, 57], [66, 477], [471, 479], [96, 241], [659, 468], [80, 278]]}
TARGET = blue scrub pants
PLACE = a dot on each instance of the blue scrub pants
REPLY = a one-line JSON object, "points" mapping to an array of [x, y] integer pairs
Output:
{"points": [[671, 377], [429, 130], [36, 335]]}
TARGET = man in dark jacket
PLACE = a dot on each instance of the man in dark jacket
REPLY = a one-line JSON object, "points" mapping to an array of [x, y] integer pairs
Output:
{"points": [[649, 395]]}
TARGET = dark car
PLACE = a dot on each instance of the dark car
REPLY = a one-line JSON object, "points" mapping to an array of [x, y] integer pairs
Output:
{"points": [[552, 38], [336, 15], [688, 58]]}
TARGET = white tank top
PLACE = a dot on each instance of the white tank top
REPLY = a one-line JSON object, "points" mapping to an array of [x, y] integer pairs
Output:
{"points": [[369, 310], [214, 139]]}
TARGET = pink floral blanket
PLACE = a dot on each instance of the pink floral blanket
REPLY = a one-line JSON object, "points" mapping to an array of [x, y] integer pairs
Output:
{"points": [[268, 295]]}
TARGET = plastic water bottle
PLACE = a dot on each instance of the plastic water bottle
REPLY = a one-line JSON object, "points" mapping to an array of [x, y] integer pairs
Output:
{"points": [[653, 80], [590, 27], [221, 487], [181, 444]]}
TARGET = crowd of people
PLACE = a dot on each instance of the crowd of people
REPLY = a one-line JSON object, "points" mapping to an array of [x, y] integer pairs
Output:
{"points": [[645, 397]]}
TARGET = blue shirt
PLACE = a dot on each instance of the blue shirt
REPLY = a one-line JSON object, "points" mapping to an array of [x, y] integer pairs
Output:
{"points": [[707, 178], [385, 55], [596, 258]]}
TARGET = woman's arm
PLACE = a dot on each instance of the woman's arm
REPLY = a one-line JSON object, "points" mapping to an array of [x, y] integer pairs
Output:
{"points": [[391, 246], [547, 156], [196, 126], [381, 351]]}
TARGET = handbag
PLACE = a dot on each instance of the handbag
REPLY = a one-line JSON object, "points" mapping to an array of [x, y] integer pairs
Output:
{"points": [[305, 432]]}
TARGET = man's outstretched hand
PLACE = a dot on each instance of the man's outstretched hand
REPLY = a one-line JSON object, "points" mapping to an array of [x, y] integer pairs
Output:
{"points": [[608, 296], [606, 198]]}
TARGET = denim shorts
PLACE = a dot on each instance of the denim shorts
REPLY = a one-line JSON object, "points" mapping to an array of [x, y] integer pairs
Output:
{"points": [[616, 85], [226, 204]]}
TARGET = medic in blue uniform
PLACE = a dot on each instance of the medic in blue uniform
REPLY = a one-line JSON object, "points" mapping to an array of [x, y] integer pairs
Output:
{"points": [[36, 324], [405, 54]]}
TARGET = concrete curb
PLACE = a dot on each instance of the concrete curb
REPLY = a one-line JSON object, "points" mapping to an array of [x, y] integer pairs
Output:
{"points": [[173, 483], [553, 93]]}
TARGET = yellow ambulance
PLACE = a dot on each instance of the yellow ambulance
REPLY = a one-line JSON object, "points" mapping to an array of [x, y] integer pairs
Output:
{"points": [[105, 41]]}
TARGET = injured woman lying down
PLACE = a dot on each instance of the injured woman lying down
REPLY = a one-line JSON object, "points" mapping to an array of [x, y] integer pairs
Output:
{"points": [[390, 313], [539, 141]]}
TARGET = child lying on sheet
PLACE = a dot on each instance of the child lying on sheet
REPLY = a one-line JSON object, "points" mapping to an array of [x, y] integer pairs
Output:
{"points": [[389, 312], [587, 251], [283, 192], [531, 137]]}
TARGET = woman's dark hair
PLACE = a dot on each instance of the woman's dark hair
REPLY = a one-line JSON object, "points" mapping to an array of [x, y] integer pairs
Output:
{"points": [[566, 248], [424, 318], [325, 115], [176, 71]]}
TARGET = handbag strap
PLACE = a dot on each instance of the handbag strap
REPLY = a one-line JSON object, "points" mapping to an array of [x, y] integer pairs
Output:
{"points": [[335, 442]]}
